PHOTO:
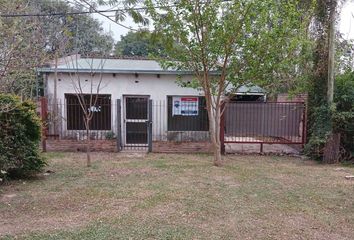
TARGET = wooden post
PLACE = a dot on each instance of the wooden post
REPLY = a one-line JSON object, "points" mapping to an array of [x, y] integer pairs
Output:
{"points": [[119, 127], [44, 112], [222, 128], [149, 126], [304, 126]]}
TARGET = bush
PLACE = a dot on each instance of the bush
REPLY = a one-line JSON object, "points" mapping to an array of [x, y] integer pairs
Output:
{"points": [[319, 129], [19, 137], [343, 119], [340, 119]]}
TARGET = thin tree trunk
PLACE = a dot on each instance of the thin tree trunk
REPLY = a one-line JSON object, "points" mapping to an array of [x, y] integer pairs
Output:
{"points": [[55, 95], [214, 129], [88, 143], [331, 51], [332, 146]]}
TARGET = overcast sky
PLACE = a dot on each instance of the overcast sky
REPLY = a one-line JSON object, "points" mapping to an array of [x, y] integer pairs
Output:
{"points": [[346, 24]]}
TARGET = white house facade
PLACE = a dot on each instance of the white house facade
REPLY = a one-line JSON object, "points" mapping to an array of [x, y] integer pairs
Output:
{"points": [[125, 88]]}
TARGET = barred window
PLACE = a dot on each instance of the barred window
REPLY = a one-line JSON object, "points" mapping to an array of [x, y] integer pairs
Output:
{"points": [[101, 119], [186, 113]]}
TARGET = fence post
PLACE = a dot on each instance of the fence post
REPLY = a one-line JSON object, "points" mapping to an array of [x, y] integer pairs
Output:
{"points": [[304, 126], [150, 126], [222, 128], [44, 111], [119, 132]]}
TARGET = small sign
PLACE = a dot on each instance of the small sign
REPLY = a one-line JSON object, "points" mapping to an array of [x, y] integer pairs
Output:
{"points": [[94, 109], [185, 106]]}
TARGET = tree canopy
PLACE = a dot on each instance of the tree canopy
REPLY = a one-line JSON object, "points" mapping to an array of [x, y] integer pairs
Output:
{"points": [[231, 43], [139, 43], [27, 42]]}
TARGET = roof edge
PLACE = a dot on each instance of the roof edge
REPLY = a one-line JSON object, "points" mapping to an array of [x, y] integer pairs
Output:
{"points": [[163, 72]]}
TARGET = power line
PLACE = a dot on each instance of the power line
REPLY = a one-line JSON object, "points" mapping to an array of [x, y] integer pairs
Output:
{"points": [[86, 12], [97, 11], [78, 12]]}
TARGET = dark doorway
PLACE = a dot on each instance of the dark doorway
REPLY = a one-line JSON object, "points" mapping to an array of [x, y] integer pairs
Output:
{"points": [[136, 120]]}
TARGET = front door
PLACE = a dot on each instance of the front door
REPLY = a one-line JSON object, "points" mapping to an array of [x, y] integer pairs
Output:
{"points": [[136, 121]]}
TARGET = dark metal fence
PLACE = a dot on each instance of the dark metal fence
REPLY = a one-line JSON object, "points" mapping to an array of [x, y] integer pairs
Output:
{"points": [[270, 122], [137, 123], [187, 125], [65, 119]]}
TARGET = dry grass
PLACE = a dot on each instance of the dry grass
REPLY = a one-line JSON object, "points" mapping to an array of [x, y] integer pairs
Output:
{"points": [[180, 197]]}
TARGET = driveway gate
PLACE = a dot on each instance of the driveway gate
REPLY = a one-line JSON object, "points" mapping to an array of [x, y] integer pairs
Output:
{"points": [[264, 123]]}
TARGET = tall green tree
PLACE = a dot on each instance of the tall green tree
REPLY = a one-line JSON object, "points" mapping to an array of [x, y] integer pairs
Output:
{"points": [[230, 43], [80, 33], [139, 43], [321, 87]]}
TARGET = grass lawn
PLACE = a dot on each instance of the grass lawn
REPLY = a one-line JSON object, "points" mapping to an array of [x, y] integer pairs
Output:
{"points": [[180, 197]]}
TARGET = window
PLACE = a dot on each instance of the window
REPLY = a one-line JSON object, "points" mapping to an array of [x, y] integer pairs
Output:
{"points": [[186, 113], [101, 119]]}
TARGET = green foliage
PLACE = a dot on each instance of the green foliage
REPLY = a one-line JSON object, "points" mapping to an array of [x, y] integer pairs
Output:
{"points": [[338, 118], [260, 42], [343, 120], [71, 33], [324, 119], [141, 43], [26, 43], [19, 136], [109, 135], [125, 9], [319, 129]]}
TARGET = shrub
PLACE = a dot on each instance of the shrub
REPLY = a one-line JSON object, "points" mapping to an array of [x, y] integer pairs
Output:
{"points": [[343, 120], [19, 137], [340, 119]]}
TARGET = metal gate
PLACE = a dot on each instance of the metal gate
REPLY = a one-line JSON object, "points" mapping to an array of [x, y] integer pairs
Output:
{"points": [[264, 123], [136, 128]]}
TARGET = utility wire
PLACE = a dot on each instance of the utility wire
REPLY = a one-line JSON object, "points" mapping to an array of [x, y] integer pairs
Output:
{"points": [[100, 13], [77, 13]]}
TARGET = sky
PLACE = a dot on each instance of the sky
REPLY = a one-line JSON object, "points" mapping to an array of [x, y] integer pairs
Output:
{"points": [[345, 25]]}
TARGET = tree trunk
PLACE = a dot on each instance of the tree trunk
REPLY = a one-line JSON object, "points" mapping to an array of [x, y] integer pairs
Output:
{"points": [[332, 146], [331, 51], [88, 143], [331, 151], [55, 96], [214, 130]]}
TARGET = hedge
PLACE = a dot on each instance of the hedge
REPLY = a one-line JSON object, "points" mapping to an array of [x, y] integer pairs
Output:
{"points": [[19, 137]]}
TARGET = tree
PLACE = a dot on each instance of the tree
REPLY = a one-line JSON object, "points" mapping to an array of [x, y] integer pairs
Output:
{"points": [[21, 49], [323, 141], [71, 28], [87, 91], [27, 42], [230, 43], [140, 43]]}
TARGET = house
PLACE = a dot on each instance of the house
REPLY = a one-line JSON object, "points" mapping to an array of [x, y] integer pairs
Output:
{"points": [[138, 102]]}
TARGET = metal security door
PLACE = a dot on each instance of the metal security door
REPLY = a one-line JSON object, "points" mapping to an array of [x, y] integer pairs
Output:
{"points": [[136, 122]]}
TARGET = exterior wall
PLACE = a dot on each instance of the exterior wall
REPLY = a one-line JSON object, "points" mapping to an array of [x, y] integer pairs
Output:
{"points": [[181, 147], [53, 145], [120, 85]]}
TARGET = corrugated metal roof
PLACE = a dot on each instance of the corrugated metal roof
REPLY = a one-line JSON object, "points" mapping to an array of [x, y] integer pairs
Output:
{"points": [[91, 65], [250, 89], [112, 66]]}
